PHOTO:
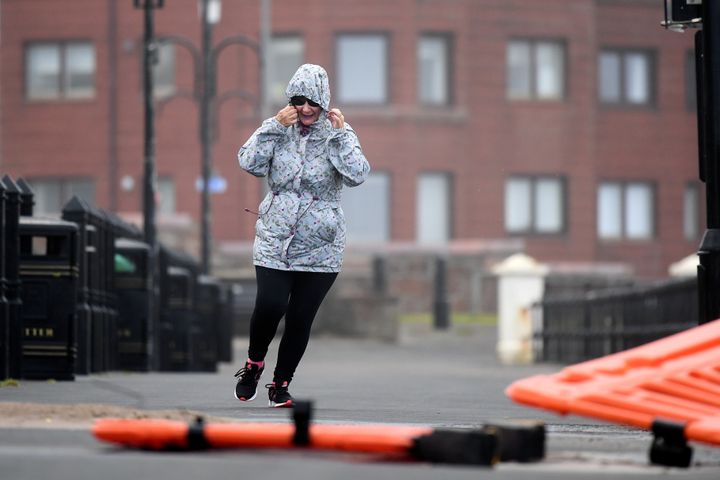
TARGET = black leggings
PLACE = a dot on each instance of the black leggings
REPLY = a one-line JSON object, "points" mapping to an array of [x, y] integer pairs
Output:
{"points": [[297, 295]]}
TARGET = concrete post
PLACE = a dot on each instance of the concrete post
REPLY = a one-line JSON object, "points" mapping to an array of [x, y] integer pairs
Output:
{"points": [[521, 282]]}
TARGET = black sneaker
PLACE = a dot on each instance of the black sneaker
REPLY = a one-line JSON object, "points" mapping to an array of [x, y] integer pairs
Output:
{"points": [[248, 378], [279, 395]]}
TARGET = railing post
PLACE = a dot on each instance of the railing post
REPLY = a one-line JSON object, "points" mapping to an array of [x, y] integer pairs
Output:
{"points": [[441, 306], [379, 275]]}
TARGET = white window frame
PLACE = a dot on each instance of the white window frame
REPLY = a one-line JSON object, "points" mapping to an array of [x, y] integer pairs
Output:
{"points": [[692, 221], [167, 195], [61, 189], [164, 83], [433, 207], [63, 72], [618, 206], [283, 45], [434, 67], [624, 85], [372, 224], [352, 65], [526, 77], [526, 215]]}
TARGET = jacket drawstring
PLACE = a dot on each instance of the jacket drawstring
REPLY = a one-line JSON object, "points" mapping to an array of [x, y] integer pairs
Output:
{"points": [[275, 194]]}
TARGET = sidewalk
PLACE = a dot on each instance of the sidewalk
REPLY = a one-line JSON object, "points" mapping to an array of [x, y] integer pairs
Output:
{"points": [[436, 378], [439, 378]]}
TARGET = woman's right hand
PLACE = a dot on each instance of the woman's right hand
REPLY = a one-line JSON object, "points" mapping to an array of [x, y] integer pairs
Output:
{"points": [[287, 116]]}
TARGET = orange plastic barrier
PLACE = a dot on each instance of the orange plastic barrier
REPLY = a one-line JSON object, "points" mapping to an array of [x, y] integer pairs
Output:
{"points": [[675, 379], [163, 434], [485, 446]]}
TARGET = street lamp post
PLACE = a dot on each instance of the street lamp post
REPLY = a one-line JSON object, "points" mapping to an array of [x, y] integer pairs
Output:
{"points": [[210, 11], [681, 15], [149, 180], [204, 92]]}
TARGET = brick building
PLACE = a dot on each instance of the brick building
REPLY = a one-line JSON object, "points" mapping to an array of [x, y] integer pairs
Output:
{"points": [[566, 124]]}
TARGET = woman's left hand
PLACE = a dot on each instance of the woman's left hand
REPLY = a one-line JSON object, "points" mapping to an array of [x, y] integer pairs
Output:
{"points": [[336, 118]]}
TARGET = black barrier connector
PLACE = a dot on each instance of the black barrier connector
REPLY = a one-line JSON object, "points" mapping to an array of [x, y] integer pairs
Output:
{"points": [[302, 415], [521, 442], [475, 447], [196, 435], [669, 446]]}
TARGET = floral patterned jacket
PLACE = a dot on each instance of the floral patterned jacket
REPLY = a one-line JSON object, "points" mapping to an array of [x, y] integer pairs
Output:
{"points": [[300, 223]]}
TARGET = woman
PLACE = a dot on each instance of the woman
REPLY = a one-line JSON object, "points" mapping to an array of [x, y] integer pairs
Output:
{"points": [[308, 153]]}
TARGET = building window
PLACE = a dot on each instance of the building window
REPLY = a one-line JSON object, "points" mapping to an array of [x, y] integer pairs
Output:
{"points": [[690, 82], [51, 194], [626, 211], [535, 70], [287, 53], [362, 68], [626, 77], [164, 71], [166, 195], [535, 204], [691, 212], [367, 209], [60, 70], [434, 207], [433, 69]]}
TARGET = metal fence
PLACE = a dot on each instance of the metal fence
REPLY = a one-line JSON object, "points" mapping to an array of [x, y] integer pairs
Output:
{"points": [[580, 327]]}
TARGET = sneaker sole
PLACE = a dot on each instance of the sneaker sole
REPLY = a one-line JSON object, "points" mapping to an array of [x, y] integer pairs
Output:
{"points": [[287, 404], [248, 400]]}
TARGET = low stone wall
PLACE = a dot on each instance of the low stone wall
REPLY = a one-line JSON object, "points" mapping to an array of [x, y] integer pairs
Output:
{"points": [[367, 301], [359, 316]]}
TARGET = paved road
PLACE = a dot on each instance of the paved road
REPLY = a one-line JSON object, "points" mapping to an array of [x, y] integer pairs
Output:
{"points": [[440, 379]]}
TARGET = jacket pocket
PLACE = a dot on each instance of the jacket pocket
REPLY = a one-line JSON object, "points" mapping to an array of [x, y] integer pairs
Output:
{"points": [[317, 228]]}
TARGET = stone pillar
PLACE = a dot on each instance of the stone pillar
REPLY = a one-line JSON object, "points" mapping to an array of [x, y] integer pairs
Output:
{"points": [[521, 282], [686, 267]]}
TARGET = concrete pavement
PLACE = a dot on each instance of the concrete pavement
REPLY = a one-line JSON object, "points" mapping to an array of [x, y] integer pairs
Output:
{"points": [[440, 379]]}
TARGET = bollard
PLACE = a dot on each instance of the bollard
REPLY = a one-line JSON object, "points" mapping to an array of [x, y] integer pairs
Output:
{"points": [[379, 275], [12, 275], [441, 307], [521, 282], [227, 325]]}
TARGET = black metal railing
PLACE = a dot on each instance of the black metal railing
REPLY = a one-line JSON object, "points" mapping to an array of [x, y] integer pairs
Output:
{"points": [[574, 328]]}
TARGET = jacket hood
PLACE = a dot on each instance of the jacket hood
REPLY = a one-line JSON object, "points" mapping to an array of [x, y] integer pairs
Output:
{"points": [[310, 81]]}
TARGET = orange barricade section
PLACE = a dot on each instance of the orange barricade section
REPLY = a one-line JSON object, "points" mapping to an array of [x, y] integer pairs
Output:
{"points": [[166, 434], [676, 378]]}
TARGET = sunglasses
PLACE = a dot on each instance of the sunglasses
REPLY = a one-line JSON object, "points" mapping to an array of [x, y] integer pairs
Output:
{"points": [[300, 101]]}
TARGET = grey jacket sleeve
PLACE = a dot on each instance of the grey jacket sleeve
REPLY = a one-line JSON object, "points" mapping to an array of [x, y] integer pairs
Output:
{"points": [[255, 156], [347, 157]]}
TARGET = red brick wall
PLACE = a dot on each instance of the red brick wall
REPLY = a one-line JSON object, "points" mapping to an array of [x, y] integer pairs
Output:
{"points": [[482, 138]]}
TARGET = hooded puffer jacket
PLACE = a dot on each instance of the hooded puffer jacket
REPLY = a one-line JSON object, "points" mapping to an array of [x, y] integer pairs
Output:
{"points": [[300, 224]]}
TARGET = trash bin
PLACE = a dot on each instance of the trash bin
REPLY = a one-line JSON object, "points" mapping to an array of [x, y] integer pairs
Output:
{"points": [[176, 321], [49, 279], [133, 287], [208, 308]]}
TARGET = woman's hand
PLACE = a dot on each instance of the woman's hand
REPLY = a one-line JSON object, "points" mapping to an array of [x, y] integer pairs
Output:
{"points": [[287, 116], [336, 118]]}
